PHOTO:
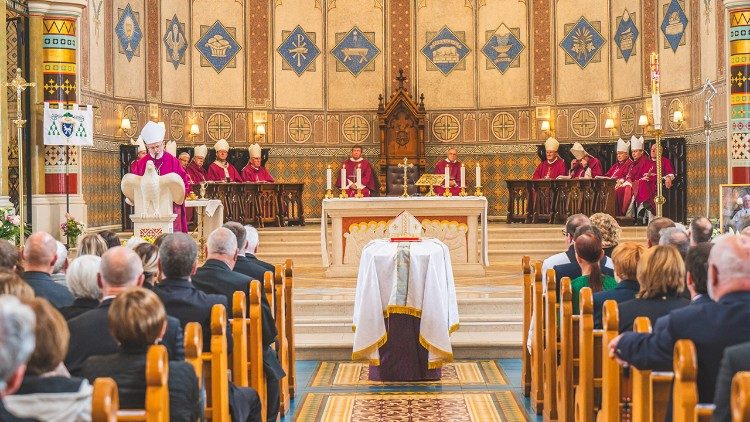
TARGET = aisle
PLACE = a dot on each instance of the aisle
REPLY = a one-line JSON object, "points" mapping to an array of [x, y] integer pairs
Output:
{"points": [[471, 391]]}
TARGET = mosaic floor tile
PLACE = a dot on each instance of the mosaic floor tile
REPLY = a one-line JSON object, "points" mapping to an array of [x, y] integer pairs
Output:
{"points": [[460, 373]]}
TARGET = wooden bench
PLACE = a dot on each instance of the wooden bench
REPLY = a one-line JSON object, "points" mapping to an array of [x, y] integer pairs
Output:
{"points": [[550, 348], [291, 357], [611, 374], [257, 378], [527, 305], [282, 345], [240, 340], [537, 343], [641, 381], [685, 390], [589, 378], [740, 400], [568, 361], [105, 401], [217, 387], [156, 407]]}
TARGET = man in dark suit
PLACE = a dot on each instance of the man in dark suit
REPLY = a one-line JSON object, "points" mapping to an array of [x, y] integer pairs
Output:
{"points": [[696, 264], [40, 255], [701, 230], [736, 359], [252, 247], [181, 298], [711, 326], [120, 270], [217, 275], [653, 231]]}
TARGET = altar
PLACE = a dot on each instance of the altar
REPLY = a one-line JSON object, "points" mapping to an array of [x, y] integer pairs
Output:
{"points": [[455, 221]]}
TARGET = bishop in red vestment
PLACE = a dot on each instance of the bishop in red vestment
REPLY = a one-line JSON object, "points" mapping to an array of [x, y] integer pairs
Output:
{"points": [[350, 165], [141, 152], [221, 170], [195, 171], [165, 163], [553, 166], [584, 165], [644, 187], [619, 171], [253, 171], [454, 173]]}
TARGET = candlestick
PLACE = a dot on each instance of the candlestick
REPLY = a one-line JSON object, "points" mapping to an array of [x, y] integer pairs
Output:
{"points": [[478, 176], [463, 175], [329, 176], [359, 176], [446, 182], [655, 93], [344, 184]]}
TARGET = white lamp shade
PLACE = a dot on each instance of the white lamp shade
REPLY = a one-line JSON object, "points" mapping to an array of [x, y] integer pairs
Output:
{"points": [[545, 125], [677, 117], [609, 124], [195, 129], [162, 125], [125, 124], [260, 129], [643, 120]]}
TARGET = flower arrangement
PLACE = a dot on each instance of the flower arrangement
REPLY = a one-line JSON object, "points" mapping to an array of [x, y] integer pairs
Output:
{"points": [[71, 228], [10, 226], [149, 239]]}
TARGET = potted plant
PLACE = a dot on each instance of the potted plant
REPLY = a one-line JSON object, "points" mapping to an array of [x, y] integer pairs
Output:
{"points": [[71, 229]]}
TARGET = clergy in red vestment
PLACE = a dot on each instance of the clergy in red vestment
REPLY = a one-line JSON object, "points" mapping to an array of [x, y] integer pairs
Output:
{"points": [[184, 158], [553, 166], [584, 166], [141, 152], [221, 170], [253, 171], [454, 173], [195, 171], [619, 171], [350, 165], [644, 188], [165, 163]]}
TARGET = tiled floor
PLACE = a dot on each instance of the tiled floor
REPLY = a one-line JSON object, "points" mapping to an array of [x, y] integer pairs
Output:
{"points": [[470, 391]]}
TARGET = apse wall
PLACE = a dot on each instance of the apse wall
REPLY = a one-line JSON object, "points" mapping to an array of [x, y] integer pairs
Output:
{"points": [[311, 72]]}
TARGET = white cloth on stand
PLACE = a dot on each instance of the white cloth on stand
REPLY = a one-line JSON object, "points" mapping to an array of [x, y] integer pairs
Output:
{"points": [[429, 293]]}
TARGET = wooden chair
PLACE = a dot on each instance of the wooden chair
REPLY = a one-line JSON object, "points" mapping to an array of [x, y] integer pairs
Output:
{"points": [[157, 390], [550, 348], [584, 393], [217, 390], [610, 408], [641, 381], [527, 305], [256, 377], [537, 343], [740, 400], [565, 368], [240, 340], [105, 401], [288, 295], [685, 391], [281, 343]]}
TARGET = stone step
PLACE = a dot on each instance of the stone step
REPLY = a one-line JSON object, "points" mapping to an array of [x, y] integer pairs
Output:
{"points": [[469, 306]]}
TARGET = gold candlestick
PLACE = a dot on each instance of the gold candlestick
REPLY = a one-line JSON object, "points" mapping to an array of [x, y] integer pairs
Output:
{"points": [[343, 194], [19, 84], [329, 194], [660, 200], [463, 191], [478, 191], [359, 192], [447, 192]]}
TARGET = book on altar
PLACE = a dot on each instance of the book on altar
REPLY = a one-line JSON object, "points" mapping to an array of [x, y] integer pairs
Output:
{"points": [[405, 228], [602, 177]]}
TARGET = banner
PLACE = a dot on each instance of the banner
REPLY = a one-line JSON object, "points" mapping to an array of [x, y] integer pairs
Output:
{"points": [[68, 127]]}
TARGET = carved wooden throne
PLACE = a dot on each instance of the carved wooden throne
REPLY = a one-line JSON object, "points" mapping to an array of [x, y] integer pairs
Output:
{"points": [[402, 122]]}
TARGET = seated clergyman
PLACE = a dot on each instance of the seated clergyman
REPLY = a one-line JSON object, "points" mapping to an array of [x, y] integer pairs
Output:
{"points": [[253, 171], [350, 165], [221, 170]]}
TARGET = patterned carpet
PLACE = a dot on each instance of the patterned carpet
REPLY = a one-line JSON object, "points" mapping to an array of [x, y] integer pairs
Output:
{"points": [[471, 391]]}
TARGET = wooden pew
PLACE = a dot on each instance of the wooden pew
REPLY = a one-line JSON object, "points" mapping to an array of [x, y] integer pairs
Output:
{"points": [[157, 390], [256, 377], [268, 289], [641, 381], [584, 393], [105, 401], [565, 368], [217, 390], [611, 375], [537, 343], [527, 305], [740, 400], [685, 391], [240, 340], [550, 348], [288, 295], [281, 342]]}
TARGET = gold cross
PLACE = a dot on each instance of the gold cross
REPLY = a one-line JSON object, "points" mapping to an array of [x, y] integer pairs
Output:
{"points": [[406, 167]]}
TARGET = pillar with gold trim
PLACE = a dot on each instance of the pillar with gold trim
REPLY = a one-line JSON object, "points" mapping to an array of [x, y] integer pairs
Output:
{"points": [[738, 126]]}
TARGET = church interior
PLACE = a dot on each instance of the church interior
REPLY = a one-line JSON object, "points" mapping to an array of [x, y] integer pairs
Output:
{"points": [[395, 174]]}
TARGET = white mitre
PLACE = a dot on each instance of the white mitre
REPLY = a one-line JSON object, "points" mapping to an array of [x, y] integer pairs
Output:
{"points": [[139, 142], [622, 146], [578, 150], [171, 148], [200, 151], [221, 145], [551, 144], [254, 150], [405, 225], [636, 143], [152, 133]]}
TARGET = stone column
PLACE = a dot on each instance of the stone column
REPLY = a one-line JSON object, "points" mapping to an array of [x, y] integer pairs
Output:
{"points": [[738, 127]]}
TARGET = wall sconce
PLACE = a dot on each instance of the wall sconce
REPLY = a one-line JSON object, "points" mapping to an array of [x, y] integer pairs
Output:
{"points": [[260, 132], [125, 124], [678, 118], [194, 131], [643, 120], [545, 128], [609, 124]]}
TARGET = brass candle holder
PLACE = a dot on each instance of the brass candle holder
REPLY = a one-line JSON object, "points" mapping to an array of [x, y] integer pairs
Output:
{"points": [[463, 191], [359, 192], [447, 192], [478, 191], [343, 194], [329, 194]]}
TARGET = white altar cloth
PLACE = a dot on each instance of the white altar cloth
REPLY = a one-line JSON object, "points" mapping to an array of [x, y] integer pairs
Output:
{"points": [[213, 211], [424, 288]]}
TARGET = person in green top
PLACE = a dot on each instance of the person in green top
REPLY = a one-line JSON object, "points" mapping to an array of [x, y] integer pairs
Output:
{"points": [[589, 252]]}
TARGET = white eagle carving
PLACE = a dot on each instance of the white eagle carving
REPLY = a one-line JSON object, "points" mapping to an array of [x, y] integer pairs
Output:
{"points": [[151, 194]]}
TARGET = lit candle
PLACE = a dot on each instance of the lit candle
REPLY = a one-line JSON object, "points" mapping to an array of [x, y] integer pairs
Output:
{"points": [[343, 178], [655, 94], [478, 176], [359, 176], [447, 176], [329, 177], [463, 175]]}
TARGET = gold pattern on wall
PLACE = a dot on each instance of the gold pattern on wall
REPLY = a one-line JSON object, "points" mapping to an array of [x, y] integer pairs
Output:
{"points": [[627, 119], [445, 128], [583, 123], [356, 129], [176, 124], [219, 126], [299, 128], [130, 113], [98, 117], [503, 126]]}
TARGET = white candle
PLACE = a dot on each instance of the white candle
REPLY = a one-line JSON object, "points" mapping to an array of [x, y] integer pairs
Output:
{"points": [[359, 176], [329, 177], [478, 176], [656, 104], [343, 178], [463, 175], [447, 176]]}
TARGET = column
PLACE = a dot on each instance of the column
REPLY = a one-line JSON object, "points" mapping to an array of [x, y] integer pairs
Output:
{"points": [[738, 137], [4, 130]]}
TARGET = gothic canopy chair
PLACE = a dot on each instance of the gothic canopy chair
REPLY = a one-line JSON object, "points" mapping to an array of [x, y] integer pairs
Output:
{"points": [[402, 126]]}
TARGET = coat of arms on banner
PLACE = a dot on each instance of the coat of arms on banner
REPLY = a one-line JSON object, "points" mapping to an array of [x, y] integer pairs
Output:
{"points": [[68, 127]]}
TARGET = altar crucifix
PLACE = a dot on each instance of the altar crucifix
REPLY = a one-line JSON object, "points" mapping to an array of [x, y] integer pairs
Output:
{"points": [[406, 168]]}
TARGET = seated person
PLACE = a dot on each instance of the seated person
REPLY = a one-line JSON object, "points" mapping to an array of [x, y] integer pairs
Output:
{"points": [[195, 171], [17, 322], [610, 230], [625, 257], [736, 359], [12, 284], [588, 254], [253, 171], [137, 320], [149, 255], [221, 170], [48, 392], [82, 281], [696, 265], [584, 166], [91, 244], [742, 215], [619, 171], [553, 166], [184, 158], [661, 275], [141, 152], [643, 177], [350, 165], [454, 173], [572, 269]]}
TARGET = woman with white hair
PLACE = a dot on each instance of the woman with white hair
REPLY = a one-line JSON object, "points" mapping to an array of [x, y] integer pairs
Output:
{"points": [[81, 278]]}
